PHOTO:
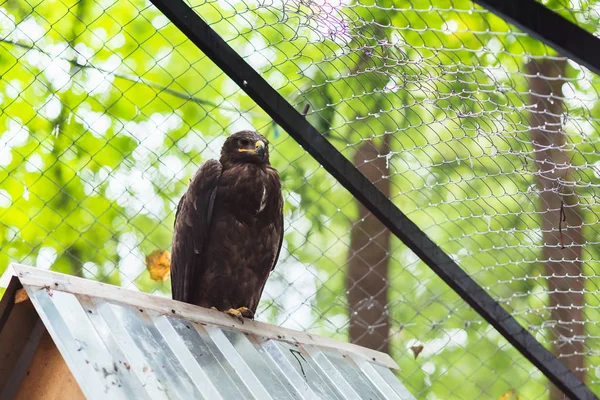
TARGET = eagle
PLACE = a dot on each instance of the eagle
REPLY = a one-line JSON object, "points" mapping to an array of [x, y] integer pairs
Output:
{"points": [[229, 229]]}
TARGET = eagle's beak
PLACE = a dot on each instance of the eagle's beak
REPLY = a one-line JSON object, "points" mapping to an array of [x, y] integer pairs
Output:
{"points": [[260, 149]]}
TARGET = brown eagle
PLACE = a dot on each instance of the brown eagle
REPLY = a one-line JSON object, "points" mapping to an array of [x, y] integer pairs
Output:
{"points": [[229, 229]]}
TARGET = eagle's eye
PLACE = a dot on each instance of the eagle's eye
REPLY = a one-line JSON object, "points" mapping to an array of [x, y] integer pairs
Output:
{"points": [[243, 143]]}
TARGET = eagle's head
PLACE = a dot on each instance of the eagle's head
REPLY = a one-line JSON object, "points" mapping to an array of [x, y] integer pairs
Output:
{"points": [[245, 147]]}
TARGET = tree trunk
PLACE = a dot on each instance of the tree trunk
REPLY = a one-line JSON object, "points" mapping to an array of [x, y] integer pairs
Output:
{"points": [[561, 216], [367, 277]]}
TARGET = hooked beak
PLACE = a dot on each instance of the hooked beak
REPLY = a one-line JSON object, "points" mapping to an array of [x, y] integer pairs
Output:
{"points": [[260, 148]]}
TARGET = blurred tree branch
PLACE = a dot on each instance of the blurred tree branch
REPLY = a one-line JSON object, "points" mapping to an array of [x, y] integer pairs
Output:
{"points": [[134, 79]]}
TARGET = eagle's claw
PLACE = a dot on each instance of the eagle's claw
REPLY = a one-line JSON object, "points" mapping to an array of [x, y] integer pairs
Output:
{"points": [[240, 313], [246, 312]]}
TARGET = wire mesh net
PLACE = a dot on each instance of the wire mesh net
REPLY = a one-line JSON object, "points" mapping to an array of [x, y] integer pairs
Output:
{"points": [[483, 136]]}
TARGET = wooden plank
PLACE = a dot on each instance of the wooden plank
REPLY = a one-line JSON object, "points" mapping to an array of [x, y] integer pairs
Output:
{"points": [[48, 376], [17, 342], [8, 299]]}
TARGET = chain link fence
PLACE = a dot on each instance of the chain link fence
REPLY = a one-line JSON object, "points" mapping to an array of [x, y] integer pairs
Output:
{"points": [[483, 136]]}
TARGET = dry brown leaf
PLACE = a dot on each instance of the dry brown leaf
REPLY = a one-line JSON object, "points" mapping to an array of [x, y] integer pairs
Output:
{"points": [[21, 296], [417, 350], [510, 395], [158, 263]]}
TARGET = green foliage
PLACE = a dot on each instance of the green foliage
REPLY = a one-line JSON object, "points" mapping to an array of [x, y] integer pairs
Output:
{"points": [[107, 111]]}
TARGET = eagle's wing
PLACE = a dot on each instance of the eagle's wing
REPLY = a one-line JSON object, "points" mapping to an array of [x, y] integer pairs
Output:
{"points": [[279, 231], [279, 228], [192, 224]]}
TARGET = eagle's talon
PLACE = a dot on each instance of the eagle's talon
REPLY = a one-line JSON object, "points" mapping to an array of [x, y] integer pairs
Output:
{"points": [[246, 312], [236, 314], [240, 313]]}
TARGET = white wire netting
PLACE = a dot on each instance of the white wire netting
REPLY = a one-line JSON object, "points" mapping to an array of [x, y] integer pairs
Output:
{"points": [[482, 135]]}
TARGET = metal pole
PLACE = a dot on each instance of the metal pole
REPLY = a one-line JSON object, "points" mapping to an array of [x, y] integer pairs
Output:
{"points": [[550, 28], [207, 40]]}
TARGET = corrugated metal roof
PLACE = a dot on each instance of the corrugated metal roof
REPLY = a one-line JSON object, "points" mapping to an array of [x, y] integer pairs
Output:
{"points": [[124, 344]]}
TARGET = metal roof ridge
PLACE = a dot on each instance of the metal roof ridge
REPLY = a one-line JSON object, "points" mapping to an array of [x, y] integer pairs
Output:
{"points": [[71, 284]]}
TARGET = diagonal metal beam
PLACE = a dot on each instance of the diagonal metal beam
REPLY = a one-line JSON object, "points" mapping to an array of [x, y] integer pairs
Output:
{"points": [[207, 40], [550, 28]]}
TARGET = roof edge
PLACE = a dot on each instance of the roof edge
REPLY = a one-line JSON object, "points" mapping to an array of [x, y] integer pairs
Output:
{"points": [[31, 276]]}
